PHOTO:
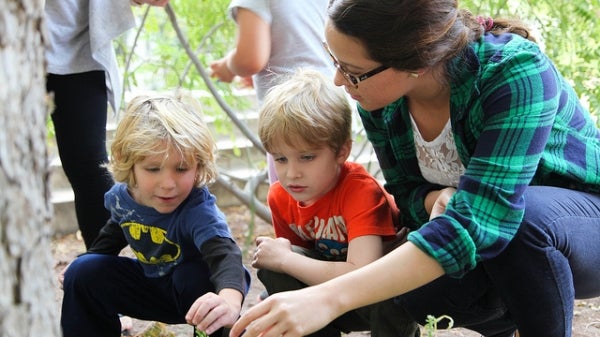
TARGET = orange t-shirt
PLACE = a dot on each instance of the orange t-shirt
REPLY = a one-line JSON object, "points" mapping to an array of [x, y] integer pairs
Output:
{"points": [[358, 205]]}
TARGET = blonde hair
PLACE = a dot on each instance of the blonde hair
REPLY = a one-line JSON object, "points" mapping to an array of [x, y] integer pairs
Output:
{"points": [[306, 107], [151, 122]]}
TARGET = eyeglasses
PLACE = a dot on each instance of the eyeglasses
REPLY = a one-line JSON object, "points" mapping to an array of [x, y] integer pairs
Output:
{"points": [[354, 79]]}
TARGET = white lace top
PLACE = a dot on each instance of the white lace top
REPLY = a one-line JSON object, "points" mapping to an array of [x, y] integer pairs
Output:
{"points": [[438, 159]]}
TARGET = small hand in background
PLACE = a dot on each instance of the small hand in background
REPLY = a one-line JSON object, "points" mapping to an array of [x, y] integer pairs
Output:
{"points": [[220, 71], [61, 276], [246, 82], [442, 201]]}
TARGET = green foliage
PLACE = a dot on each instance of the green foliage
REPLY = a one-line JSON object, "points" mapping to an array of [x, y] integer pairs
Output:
{"points": [[430, 328], [207, 28], [158, 61], [199, 333], [568, 32]]}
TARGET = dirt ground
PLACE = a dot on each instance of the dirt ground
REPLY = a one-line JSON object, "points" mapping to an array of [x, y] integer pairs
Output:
{"points": [[245, 228]]}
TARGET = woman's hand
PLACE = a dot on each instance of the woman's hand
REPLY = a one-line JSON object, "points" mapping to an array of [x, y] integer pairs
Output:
{"points": [[271, 253], [439, 206], [285, 314]]}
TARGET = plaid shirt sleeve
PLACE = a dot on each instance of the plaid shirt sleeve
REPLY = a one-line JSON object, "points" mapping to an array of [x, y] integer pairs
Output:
{"points": [[507, 105]]}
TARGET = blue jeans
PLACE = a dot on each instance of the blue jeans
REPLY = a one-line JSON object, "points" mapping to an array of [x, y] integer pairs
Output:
{"points": [[553, 259], [97, 288]]}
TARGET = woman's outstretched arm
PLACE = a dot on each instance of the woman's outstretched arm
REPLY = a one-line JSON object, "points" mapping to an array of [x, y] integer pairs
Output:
{"points": [[298, 313]]}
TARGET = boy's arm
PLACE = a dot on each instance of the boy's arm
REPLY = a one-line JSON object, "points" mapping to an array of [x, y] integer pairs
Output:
{"points": [[110, 240], [276, 255], [224, 259], [214, 310]]}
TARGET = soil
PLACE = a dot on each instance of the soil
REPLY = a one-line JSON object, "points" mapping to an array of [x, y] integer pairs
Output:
{"points": [[586, 321]]}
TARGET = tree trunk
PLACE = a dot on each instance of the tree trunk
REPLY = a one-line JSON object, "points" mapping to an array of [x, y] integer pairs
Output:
{"points": [[27, 285]]}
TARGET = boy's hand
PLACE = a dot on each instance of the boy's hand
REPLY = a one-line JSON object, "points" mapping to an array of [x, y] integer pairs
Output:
{"points": [[210, 312], [61, 276], [271, 253]]}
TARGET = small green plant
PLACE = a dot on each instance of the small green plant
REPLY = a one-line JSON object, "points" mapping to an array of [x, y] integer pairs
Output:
{"points": [[430, 327], [199, 333]]}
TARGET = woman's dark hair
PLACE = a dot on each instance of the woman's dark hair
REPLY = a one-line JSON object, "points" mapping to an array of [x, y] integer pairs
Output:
{"points": [[413, 34]]}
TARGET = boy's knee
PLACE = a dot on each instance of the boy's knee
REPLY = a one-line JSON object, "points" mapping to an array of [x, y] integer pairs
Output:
{"points": [[85, 268], [260, 273]]}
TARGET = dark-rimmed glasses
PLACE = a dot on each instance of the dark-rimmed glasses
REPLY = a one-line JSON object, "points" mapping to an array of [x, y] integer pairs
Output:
{"points": [[354, 79]]}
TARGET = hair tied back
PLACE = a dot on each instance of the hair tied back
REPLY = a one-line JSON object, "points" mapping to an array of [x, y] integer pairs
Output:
{"points": [[487, 23]]}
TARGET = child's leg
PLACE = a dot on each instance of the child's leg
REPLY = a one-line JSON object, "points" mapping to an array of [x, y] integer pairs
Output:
{"points": [[99, 287], [190, 281], [278, 282], [93, 286]]}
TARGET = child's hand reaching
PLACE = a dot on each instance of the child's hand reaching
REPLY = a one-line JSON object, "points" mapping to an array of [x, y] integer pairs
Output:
{"points": [[210, 312], [61, 276]]}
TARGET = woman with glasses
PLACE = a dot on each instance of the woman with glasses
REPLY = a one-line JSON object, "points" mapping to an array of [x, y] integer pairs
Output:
{"points": [[490, 156]]}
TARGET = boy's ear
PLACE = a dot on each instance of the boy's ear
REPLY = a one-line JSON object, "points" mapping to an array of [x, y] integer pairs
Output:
{"points": [[344, 151]]}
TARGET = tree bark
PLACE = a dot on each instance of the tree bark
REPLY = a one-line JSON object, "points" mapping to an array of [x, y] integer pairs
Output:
{"points": [[27, 286]]}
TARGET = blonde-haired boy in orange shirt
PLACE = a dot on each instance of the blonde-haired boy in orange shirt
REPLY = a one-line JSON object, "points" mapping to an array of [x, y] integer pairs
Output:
{"points": [[330, 215]]}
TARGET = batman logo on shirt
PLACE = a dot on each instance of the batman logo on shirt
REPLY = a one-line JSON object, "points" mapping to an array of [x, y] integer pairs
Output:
{"points": [[150, 244]]}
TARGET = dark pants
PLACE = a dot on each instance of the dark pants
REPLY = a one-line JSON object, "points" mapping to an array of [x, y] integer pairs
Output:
{"points": [[532, 285], [384, 319], [97, 288], [79, 121], [472, 302]]}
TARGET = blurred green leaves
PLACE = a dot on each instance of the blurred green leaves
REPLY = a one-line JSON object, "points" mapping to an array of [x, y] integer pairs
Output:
{"points": [[568, 31]]}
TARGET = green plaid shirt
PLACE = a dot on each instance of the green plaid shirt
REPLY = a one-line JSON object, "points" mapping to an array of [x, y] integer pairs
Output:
{"points": [[516, 122]]}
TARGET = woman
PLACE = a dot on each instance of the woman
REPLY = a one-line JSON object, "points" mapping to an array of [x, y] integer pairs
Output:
{"points": [[492, 160]]}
